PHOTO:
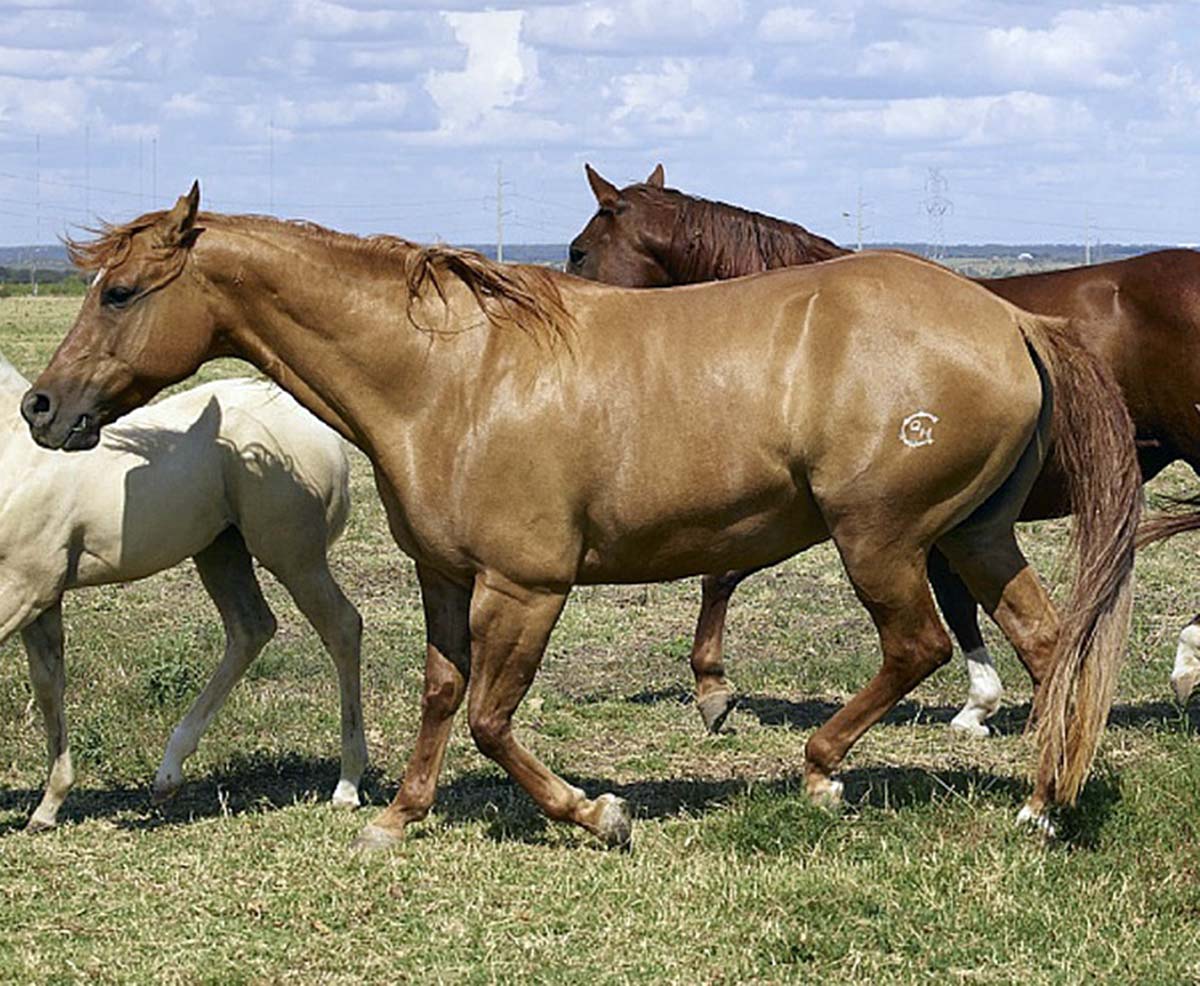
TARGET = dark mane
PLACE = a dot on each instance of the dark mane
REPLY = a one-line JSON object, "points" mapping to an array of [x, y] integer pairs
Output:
{"points": [[518, 296], [712, 240]]}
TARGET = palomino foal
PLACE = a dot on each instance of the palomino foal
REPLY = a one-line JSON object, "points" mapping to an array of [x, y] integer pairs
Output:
{"points": [[532, 431], [223, 473]]}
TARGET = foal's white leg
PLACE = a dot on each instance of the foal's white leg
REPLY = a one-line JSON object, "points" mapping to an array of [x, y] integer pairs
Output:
{"points": [[339, 625], [983, 693], [227, 572], [1186, 673], [43, 640]]}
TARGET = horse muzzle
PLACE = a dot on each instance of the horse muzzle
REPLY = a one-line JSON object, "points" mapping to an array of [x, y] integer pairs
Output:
{"points": [[55, 427]]}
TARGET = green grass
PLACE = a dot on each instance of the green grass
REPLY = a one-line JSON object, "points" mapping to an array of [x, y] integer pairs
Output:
{"points": [[734, 876]]}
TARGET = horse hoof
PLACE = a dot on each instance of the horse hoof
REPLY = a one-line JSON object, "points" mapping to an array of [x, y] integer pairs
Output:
{"points": [[374, 839], [1039, 821], [826, 792], [615, 827], [36, 825], [164, 793], [1184, 684], [345, 795], [968, 726], [715, 708]]}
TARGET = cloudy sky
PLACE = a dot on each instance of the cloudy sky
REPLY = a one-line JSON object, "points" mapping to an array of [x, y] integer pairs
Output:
{"points": [[1043, 119]]}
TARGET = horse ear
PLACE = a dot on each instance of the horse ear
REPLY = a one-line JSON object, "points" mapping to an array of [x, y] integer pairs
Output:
{"points": [[657, 177], [605, 191], [174, 227]]}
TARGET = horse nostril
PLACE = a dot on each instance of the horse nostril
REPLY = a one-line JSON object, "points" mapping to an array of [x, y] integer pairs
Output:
{"points": [[36, 406], [577, 256]]}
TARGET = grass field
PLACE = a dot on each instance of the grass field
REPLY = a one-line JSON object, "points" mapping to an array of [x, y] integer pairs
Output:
{"points": [[734, 877]]}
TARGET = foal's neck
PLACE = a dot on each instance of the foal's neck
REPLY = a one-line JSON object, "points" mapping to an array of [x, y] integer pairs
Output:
{"points": [[12, 388]]}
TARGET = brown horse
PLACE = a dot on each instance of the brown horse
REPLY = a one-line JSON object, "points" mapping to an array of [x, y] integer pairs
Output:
{"points": [[531, 431], [1140, 317]]}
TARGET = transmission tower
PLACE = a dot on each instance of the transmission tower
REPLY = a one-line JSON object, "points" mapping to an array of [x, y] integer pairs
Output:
{"points": [[937, 206]]}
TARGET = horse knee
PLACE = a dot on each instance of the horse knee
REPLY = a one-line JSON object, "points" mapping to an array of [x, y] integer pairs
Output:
{"points": [[442, 696], [490, 731], [915, 656]]}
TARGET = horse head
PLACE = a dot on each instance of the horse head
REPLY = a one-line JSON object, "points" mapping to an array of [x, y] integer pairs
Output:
{"points": [[625, 240], [107, 365]]}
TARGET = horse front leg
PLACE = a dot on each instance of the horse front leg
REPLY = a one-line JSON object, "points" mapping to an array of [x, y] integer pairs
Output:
{"points": [[984, 689], [715, 696], [447, 607], [510, 625], [43, 640]]}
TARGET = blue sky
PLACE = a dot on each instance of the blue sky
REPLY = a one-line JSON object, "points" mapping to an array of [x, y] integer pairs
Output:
{"points": [[1045, 119]]}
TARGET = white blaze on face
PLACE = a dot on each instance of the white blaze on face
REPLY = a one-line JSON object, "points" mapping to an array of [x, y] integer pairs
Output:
{"points": [[917, 429]]}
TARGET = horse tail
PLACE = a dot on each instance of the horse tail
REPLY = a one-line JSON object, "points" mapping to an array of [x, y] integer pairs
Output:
{"points": [[1092, 443], [1160, 526]]}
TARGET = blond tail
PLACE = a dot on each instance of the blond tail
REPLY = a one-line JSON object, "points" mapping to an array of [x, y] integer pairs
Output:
{"points": [[1092, 446]]}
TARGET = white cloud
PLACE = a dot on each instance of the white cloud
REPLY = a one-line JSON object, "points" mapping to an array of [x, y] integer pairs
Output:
{"points": [[1088, 48], [1015, 116], [497, 68], [42, 107], [636, 25], [659, 102], [803, 25]]}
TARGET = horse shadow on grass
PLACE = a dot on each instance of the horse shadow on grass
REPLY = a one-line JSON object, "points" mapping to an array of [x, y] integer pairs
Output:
{"points": [[807, 714], [249, 784], [257, 783]]}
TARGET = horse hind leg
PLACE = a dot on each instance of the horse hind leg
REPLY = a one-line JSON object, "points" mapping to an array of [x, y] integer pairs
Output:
{"points": [[892, 585], [227, 572], [984, 689], [1186, 673], [43, 640], [339, 625], [715, 696]]}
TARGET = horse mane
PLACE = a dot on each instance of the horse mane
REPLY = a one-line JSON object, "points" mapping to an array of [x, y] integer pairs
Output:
{"points": [[714, 240], [518, 296]]}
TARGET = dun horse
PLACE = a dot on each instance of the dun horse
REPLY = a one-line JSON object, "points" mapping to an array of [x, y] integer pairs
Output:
{"points": [[1140, 317], [208, 474], [531, 431]]}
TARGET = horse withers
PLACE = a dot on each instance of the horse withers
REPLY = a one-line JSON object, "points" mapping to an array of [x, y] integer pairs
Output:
{"points": [[225, 473], [1139, 317], [531, 431]]}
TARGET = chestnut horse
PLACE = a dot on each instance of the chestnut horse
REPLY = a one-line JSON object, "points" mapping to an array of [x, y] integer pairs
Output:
{"points": [[1140, 317], [531, 431]]}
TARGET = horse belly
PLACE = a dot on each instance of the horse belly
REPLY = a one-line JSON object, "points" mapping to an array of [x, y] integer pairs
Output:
{"points": [[154, 518], [751, 533]]}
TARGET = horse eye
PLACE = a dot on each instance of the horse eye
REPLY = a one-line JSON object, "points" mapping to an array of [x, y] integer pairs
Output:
{"points": [[117, 295]]}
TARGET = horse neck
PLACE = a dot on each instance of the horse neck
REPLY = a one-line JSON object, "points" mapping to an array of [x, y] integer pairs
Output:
{"points": [[713, 241], [12, 386], [339, 342]]}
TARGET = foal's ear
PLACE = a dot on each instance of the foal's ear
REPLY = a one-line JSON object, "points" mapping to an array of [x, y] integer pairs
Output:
{"points": [[657, 177], [605, 191], [174, 227]]}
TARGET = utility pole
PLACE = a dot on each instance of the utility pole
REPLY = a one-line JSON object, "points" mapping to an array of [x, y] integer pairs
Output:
{"points": [[271, 166], [499, 214], [37, 211], [937, 205], [154, 170], [1087, 235], [859, 226], [141, 174]]}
